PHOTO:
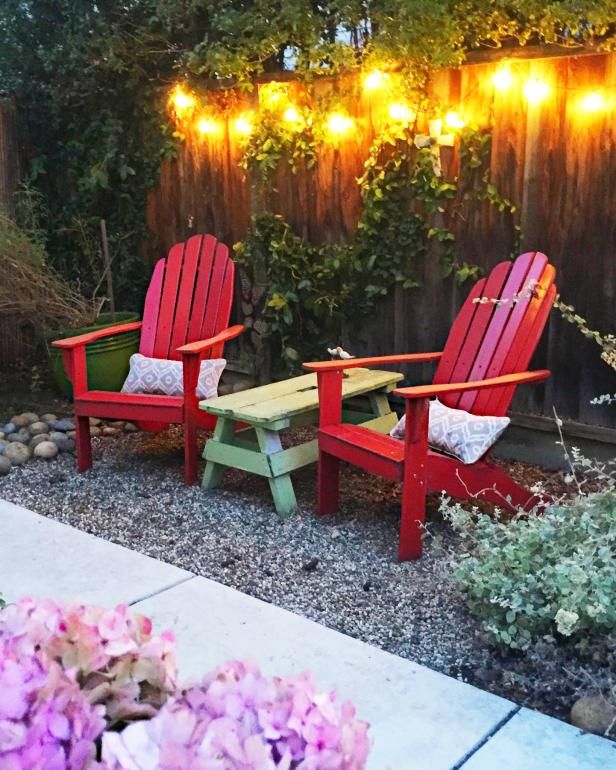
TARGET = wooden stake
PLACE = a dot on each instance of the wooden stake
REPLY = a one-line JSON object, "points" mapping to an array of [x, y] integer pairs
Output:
{"points": [[107, 260]]}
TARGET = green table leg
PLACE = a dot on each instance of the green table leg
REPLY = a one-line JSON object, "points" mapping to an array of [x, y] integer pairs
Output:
{"points": [[281, 486], [224, 433]]}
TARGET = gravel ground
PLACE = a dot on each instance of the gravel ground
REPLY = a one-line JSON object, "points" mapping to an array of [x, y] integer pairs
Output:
{"points": [[340, 571]]}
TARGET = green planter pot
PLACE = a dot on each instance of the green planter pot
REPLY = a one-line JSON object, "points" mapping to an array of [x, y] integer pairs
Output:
{"points": [[107, 359]]}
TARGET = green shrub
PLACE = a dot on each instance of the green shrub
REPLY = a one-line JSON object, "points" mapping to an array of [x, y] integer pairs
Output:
{"points": [[550, 576]]}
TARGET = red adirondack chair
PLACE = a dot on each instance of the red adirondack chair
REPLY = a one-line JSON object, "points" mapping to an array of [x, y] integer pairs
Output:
{"points": [[485, 357], [186, 314]]}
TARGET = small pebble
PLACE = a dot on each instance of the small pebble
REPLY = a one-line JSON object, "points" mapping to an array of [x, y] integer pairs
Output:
{"points": [[310, 565], [46, 450], [49, 418], [10, 427], [23, 420], [64, 444]]}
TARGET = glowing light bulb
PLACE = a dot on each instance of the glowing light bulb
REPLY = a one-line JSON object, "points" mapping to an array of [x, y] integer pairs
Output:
{"points": [[291, 115], [243, 125], [181, 100], [208, 126], [454, 121], [272, 96], [592, 102], [374, 80], [338, 123], [535, 90], [502, 79], [401, 112]]}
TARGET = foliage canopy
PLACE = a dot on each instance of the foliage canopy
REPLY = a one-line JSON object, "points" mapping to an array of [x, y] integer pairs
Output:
{"points": [[91, 79]]}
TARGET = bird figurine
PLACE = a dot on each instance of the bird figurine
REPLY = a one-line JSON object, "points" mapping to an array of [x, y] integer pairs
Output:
{"points": [[338, 352]]}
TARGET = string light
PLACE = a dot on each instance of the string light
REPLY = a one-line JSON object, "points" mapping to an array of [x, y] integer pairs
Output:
{"points": [[502, 79], [181, 100], [338, 123], [243, 125], [593, 102], [454, 121], [374, 80], [401, 112], [535, 90], [208, 126], [291, 115], [273, 95]]}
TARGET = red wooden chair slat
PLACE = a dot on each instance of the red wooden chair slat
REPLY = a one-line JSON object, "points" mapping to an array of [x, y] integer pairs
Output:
{"points": [[476, 330], [202, 286], [151, 310], [507, 323], [168, 301], [485, 357], [457, 334], [217, 281], [190, 291], [188, 279], [515, 341]]}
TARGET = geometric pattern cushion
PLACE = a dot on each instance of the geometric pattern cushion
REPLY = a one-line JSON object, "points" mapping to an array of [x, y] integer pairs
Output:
{"points": [[461, 434], [161, 376]]}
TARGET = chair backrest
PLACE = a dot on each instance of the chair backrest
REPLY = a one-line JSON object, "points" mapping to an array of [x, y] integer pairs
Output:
{"points": [[491, 338], [189, 297]]}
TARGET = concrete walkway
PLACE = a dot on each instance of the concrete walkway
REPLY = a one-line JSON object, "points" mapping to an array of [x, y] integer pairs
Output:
{"points": [[420, 720]]}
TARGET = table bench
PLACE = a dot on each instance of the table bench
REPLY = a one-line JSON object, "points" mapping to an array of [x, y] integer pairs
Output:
{"points": [[249, 423]]}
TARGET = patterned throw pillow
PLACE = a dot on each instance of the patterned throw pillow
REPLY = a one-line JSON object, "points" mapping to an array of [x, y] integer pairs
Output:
{"points": [[461, 434], [160, 376]]}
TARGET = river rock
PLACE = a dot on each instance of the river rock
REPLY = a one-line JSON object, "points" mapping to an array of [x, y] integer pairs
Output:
{"points": [[24, 419], [17, 453], [64, 444], [64, 425], [22, 435], [46, 449], [56, 434], [36, 440], [71, 434], [130, 427], [593, 713], [109, 431], [95, 430], [49, 418], [119, 424], [95, 422], [9, 428], [38, 427], [5, 465], [3, 445]]}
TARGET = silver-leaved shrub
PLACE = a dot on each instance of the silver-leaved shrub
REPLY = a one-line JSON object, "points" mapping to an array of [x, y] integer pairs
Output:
{"points": [[549, 575]]}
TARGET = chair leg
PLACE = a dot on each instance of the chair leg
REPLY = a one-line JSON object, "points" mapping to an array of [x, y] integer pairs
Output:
{"points": [[415, 480], [84, 447], [191, 454], [328, 482]]}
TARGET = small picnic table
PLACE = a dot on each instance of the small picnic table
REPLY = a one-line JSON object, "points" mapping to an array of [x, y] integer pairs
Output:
{"points": [[249, 423]]}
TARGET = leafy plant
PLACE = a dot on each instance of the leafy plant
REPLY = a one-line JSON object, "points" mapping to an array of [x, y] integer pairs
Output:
{"points": [[544, 576]]}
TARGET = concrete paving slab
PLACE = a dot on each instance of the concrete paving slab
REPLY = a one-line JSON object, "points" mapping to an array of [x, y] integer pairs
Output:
{"points": [[41, 557], [421, 720], [533, 741]]}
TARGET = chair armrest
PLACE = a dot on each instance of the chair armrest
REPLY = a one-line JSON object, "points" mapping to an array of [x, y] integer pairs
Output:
{"points": [[82, 339], [196, 348], [350, 363], [427, 391]]}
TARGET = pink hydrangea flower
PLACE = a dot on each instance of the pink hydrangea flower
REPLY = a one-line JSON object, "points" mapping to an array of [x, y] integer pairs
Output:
{"points": [[45, 720], [237, 719], [115, 658]]}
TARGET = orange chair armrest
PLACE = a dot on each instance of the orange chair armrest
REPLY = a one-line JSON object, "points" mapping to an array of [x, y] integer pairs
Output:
{"points": [[427, 391], [196, 348], [83, 339], [351, 363]]}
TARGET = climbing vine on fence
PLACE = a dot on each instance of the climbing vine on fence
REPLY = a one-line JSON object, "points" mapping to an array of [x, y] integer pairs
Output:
{"points": [[313, 291]]}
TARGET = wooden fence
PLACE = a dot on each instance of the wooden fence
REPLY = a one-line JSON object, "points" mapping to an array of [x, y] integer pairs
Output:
{"points": [[555, 160]]}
